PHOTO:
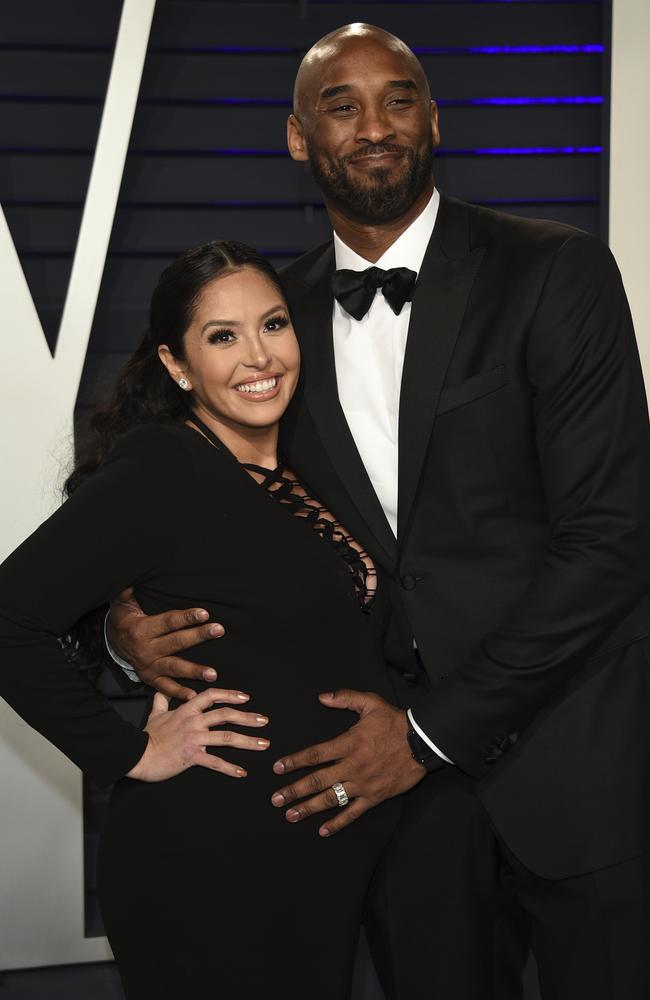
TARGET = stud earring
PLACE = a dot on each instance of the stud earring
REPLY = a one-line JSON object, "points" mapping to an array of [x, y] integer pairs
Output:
{"points": [[184, 384]]}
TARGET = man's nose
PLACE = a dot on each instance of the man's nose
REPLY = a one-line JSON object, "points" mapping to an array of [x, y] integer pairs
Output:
{"points": [[374, 126]]}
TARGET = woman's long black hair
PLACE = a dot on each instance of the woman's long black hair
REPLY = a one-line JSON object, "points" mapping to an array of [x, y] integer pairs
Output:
{"points": [[144, 392]]}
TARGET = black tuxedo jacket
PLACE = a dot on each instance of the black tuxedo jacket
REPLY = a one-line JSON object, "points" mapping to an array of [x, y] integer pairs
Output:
{"points": [[522, 559]]}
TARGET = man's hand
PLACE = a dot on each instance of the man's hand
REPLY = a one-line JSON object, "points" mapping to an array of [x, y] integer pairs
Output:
{"points": [[151, 643], [372, 760]]}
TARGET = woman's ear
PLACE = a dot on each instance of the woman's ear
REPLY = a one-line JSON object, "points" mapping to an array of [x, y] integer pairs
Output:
{"points": [[174, 367]]}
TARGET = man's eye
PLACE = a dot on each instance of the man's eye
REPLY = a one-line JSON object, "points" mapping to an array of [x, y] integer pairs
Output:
{"points": [[344, 107], [221, 337], [276, 323]]}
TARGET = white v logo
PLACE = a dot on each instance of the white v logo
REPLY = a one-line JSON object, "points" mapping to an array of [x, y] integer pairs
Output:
{"points": [[38, 390], [42, 889]]}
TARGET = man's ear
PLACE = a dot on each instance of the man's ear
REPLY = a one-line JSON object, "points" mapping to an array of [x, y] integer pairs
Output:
{"points": [[435, 127], [296, 139]]}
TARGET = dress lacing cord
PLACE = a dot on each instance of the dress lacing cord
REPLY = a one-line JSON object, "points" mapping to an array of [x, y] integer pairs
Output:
{"points": [[284, 489]]}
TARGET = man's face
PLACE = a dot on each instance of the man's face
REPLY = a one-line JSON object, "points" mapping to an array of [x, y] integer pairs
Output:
{"points": [[369, 130]]}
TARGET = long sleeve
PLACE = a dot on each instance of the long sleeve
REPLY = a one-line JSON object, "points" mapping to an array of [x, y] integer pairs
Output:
{"points": [[593, 448], [109, 534]]}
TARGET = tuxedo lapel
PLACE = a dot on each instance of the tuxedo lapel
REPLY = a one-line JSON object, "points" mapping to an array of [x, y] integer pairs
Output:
{"points": [[312, 307], [444, 284]]}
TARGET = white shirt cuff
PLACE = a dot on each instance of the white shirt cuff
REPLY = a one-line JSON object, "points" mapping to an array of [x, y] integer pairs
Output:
{"points": [[126, 667], [423, 735]]}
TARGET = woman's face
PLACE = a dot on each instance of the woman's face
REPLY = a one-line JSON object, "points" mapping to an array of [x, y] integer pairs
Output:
{"points": [[241, 354]]}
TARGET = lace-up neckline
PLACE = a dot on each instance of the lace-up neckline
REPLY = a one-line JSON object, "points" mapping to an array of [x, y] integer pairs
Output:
{"points": [[281, 486]]}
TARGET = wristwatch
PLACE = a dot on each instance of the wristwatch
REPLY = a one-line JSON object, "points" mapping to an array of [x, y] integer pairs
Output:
{"points": [[422, 752]]}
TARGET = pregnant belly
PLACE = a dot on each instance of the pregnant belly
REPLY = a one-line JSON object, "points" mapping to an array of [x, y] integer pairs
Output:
{"points": [[226, 808], [286, 689]]}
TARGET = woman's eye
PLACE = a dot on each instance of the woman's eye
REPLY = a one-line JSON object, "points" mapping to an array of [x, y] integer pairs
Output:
{"points": [[276, 323], [221, 337]]}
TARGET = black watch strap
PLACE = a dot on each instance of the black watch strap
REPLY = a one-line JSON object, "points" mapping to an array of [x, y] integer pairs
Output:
{"points": [[422, 752]]}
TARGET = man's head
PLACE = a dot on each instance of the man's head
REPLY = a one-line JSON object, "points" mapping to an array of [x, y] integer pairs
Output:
{"points": [[364, 118]]}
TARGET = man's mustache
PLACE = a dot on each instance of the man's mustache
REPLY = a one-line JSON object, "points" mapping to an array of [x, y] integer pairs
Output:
{"points": [[374, 149]]}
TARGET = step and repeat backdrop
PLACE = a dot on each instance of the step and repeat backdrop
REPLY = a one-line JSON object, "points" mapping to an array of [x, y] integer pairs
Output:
{"points": [[132, 130]]}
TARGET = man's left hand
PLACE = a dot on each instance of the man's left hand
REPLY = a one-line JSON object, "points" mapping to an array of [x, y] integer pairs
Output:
{"points": [[372, 760]]}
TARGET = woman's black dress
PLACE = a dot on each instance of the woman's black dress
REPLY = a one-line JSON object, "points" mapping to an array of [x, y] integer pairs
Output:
{"points": [[205, 889]]}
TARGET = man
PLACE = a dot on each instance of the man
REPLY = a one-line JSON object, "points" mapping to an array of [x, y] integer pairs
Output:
{"points": [[482, 430]]}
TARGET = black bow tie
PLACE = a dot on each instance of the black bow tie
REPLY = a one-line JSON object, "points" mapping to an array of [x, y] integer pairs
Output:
{"points": [[355, 290]]}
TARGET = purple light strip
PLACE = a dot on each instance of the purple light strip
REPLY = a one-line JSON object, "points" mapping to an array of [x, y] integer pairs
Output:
{"points": [[284, 206], [281, 153], [518, 101], [273, 50], [438, 50], [271, 102], [511, 50], [528, 151]]}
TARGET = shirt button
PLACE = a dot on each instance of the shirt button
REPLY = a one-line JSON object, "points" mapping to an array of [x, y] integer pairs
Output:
{"points": [[408, 582]]}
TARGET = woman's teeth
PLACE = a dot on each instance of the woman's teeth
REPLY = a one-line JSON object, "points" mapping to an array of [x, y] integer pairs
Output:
{"points": [[264, 385]]}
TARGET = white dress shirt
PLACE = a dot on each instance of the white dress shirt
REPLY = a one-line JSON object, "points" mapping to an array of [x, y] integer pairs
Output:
{"points": [[369, 357]]}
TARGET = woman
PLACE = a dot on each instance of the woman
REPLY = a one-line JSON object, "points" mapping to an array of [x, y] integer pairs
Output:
{"points": [[204, 889]]}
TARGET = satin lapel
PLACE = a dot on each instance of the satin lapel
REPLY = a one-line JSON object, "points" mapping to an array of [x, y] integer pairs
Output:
{"points": [[312, 308], [444, 285]]}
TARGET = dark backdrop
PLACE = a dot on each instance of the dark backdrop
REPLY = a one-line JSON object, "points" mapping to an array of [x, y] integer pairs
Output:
{"points": [[522, 88]]}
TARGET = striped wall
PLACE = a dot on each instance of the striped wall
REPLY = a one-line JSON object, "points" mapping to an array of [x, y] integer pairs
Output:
{"points": [[523, 113]]}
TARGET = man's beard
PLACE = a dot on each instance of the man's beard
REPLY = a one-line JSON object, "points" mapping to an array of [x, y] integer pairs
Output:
{"points": [[378, 199]]}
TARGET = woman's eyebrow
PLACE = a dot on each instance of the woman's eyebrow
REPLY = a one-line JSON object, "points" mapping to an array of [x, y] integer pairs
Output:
{"points": [[220, 322]]}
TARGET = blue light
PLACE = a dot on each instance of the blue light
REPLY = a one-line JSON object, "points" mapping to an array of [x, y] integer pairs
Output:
{"points": [[454, 50], [521, 101], [512, 50], [529, 151]]}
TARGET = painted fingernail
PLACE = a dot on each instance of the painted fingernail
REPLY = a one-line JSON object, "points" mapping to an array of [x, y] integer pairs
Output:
{"points": [[324, 832], [293, 815], [277, 799], [262, 718], [278, 767], [263, 743], [242, 696], [215, 630]]}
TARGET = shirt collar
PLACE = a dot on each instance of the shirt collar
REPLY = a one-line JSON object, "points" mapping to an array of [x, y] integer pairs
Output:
{"points": [[407, 251]]}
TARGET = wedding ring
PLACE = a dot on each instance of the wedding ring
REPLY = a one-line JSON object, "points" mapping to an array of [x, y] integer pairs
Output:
{"points": [[339, 790]]}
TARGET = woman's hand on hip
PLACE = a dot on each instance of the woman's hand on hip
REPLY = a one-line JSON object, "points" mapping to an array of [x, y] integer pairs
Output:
{"points": [[180, 738]]}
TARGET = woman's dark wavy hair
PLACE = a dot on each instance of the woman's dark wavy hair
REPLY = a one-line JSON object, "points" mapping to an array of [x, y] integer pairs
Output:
{"points": [[145, 393]]}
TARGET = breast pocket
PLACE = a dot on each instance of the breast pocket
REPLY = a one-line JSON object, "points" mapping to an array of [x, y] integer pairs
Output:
{"points": [[473, 388]]}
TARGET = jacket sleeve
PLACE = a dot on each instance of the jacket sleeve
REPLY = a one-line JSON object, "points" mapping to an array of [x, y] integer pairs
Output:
{"points": [[593, 447], [110, 533]]}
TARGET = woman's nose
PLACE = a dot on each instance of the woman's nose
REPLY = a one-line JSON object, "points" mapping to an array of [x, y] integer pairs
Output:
{"points": [[257, 355]]}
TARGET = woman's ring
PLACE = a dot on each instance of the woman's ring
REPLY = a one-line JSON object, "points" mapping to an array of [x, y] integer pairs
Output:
{"points": [[339, 790]]}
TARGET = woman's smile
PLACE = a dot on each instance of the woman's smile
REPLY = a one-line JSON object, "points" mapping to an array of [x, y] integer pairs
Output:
{"points": [[260, 389]]}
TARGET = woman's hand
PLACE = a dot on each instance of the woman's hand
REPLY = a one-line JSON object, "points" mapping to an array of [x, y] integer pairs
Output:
{"points": [[179, 739]]}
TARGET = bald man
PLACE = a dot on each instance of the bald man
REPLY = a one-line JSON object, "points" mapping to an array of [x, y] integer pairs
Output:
{"points": [[472, 408]]}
